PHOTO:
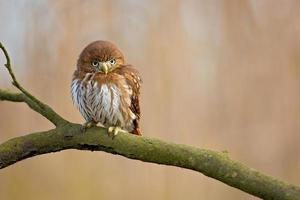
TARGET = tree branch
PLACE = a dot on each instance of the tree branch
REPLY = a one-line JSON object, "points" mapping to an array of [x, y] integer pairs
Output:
{"points": [[67, 135], [44, 110], [210, 163], [33, 102]]}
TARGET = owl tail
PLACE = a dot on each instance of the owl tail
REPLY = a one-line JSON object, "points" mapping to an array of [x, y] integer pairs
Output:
{"points": [[136, 130]]}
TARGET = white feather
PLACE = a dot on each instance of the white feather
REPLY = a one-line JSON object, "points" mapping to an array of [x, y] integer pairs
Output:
{"points": [[102, 103]]}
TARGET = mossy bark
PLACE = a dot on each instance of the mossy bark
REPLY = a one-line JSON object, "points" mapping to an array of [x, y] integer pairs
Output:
{"points": [[213, 164]]}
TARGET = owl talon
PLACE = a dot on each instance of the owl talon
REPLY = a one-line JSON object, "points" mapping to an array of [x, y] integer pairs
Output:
{"points": [[87, 125], [114, 130]]}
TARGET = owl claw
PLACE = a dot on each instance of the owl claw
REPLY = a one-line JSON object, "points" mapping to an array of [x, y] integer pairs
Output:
{"points": [[87, 125], [114, 130]]}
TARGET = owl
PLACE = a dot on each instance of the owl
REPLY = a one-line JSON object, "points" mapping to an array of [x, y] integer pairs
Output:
{"points": [[106, 90]]}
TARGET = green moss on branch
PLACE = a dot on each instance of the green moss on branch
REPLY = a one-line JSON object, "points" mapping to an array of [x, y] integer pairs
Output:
{"points": [[212, 164]]}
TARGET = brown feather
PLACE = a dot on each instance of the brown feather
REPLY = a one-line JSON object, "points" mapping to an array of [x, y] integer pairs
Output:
{"points": [[133, 79], [123, 79]]}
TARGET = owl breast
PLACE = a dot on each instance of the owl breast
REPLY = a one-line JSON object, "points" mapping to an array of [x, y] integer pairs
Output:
{"points": [[107, 103]]}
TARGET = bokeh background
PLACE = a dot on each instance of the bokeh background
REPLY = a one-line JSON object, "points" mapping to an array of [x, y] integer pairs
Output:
{"points": [[222, 75]]}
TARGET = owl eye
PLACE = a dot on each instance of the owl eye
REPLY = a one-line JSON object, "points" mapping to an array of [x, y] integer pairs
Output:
{"points": [[112, 61], [95, 63]]}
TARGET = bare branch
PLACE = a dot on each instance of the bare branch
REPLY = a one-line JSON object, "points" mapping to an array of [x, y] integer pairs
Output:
{"points": [[36, 104], [6, 95]]}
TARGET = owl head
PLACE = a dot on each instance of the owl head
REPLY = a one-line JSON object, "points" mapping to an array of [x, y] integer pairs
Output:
{"points": [[100, 56]]}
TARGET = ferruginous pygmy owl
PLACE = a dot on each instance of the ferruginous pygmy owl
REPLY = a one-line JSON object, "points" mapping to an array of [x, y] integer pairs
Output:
{"points": [[105, 89]]}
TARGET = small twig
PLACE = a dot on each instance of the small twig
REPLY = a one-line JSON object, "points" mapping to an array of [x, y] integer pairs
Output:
{"points": [[20, 97], [48, 112], [8, 67], [14, 80], [6, 95]]}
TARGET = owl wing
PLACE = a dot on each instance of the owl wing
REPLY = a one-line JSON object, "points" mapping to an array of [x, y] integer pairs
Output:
{"points": [[133, 79]]}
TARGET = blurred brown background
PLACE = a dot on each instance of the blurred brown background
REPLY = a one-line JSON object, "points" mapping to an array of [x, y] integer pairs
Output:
{"points": [[222, 75]]}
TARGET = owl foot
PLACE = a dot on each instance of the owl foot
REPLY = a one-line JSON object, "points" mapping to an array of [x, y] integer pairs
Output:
{"points": [[87, 125], [114, 130]]}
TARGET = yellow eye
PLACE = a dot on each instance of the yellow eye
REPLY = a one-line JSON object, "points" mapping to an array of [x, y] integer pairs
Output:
{"points": [[112, 61], [95, 63]]}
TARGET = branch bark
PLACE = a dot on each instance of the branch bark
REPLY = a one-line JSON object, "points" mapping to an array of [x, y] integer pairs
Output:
{"points": [[68, 135]]}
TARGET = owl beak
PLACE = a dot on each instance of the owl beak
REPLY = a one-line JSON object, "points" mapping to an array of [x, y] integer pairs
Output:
{"points": [[104, 67]]}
